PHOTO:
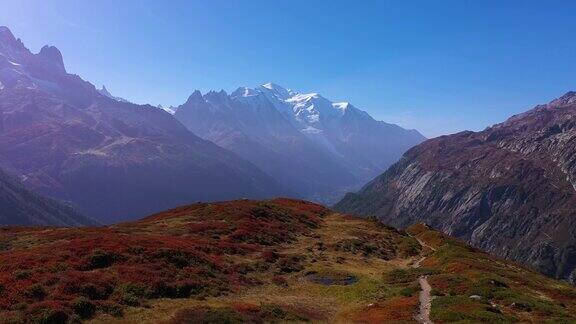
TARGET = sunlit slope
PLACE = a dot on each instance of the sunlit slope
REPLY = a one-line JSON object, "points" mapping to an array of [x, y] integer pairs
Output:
{"points": [[262, 261]]}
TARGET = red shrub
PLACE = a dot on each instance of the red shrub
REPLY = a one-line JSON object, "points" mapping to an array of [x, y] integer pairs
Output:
{"points": [[183, 252]]}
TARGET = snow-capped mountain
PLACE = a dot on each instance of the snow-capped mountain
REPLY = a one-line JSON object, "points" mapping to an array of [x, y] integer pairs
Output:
{"points": [[113, 160], [316, 147]]}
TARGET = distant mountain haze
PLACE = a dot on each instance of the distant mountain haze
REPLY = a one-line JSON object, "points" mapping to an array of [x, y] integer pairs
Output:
{"points": [[317, 148], [509, 189], [113, 160]]}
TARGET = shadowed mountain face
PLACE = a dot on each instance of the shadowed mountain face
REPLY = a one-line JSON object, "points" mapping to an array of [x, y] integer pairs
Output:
{"points": [[113, 160], [19, 206], [509, 189], [317, 148]]}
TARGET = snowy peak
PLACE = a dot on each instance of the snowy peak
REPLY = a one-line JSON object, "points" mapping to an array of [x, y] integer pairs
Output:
{"points": [[316, 147], [305, 97], [277, 90], [274, 87], [282, 97], [245, 92], [303, 110], [309, 113]]}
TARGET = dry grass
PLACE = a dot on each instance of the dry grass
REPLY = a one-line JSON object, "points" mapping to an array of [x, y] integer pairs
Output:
{"points": [[253, 262]]}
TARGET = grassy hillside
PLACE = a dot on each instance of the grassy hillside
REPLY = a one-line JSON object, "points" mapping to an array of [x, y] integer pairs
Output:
{"points": [[267, 261]]}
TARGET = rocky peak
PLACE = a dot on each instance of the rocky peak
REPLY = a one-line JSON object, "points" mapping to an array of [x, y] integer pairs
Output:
{"points": [[6, 35], [568, 98], [280, 91], [10, 47], [52, 58], [195, 98], [105, 92], [216, 96]]}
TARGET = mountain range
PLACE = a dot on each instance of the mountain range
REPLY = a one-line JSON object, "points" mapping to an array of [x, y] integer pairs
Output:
{"points": [[509, 189], [112, 160], [317, 148]]}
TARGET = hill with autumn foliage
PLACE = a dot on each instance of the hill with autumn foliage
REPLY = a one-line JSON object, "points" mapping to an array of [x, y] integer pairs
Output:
{"points": [[263, 261]]}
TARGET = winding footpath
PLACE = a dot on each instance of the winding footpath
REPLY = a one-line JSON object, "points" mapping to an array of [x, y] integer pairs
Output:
{"points": [[425, 297]]}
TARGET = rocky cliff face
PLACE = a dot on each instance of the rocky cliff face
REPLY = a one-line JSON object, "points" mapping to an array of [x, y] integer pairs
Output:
{"points": [[113, 160], [510, 189]]}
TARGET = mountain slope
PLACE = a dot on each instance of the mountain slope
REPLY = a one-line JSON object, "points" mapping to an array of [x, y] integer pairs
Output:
{"points": [[254, 129], [19, 206], [509, 189], [263, 261], [317, 148], [113, 160]]}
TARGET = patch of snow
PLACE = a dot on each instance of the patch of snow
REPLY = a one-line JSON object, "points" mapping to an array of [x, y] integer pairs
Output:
{"points": [[341, 105], [247, 92], [300, 98], [311, 130], [171, 109], [8, 60]]}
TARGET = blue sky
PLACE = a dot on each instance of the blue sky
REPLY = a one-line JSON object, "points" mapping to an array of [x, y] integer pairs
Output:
{"points": [[437, 66]]}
